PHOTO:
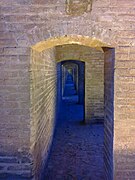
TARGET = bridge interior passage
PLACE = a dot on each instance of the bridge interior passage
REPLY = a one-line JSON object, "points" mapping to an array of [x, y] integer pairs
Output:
{"points": [[77, 150], [72, 86], [38, 39]]}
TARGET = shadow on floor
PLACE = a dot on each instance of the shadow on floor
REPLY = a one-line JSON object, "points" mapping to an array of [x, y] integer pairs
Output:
{"points": [[77, 150]]}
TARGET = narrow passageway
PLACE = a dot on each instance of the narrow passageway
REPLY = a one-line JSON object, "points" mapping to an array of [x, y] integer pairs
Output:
{"points": [[77, 150], [70, 93], [69, 86]]}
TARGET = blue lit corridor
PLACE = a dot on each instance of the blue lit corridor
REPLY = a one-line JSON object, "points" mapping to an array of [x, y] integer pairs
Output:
{"points": [[77, 150]]}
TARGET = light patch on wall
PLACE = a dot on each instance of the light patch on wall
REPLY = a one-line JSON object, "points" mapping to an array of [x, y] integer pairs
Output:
{"points": [[78, 7]]}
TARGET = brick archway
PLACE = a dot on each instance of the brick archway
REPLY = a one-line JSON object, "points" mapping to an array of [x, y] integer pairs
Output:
{"points": [[70, 39], [43, 93]]}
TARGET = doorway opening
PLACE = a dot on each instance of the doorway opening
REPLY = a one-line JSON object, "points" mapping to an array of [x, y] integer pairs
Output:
{"points": [[72, 82], [48, 59]]}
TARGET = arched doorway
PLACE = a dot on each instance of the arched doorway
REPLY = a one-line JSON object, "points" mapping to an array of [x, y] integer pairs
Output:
{"points": [[43, 95], [72, 86]]}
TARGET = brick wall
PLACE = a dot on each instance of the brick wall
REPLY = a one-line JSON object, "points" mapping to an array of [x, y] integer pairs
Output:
{"points": [[124, 124], [109, 111], [43, 105], [59, 91], [14, 102], [23, 24], [94, 77]]}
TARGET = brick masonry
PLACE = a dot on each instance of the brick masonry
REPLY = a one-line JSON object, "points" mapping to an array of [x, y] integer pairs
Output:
{"points": [[43, 106], [108, 111], [23, 24]]}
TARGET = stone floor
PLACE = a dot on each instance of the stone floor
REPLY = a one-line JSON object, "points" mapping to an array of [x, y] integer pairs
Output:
{"points": [[77, 151]]}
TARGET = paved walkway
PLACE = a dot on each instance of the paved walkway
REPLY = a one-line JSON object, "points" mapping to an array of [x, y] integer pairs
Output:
{"points": [[77, 151]]}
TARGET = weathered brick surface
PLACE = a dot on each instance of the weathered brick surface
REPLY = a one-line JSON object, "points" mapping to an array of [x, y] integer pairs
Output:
{"points": [[24, 24], [43, 105], [108, 111]]}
